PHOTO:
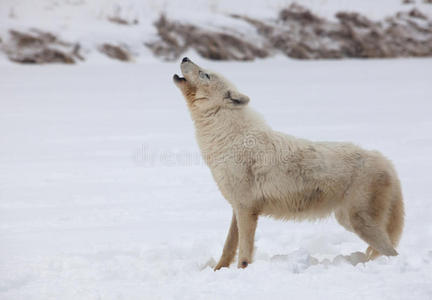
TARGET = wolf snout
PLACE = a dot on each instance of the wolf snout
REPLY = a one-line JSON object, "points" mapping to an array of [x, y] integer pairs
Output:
{"points": [[185, 59]]}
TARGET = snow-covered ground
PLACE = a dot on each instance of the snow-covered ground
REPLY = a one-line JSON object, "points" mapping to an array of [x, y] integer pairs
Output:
{"points": [[103, 194]]}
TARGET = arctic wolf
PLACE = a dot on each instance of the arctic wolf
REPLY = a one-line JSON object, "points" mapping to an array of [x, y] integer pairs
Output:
{"points": [[264, 172]]}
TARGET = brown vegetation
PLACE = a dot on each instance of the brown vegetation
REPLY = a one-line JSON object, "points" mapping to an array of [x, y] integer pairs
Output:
{"points": [[175, 38], [38, 47], [295, 31], [121, 21], [115, 52], [298, 33]]}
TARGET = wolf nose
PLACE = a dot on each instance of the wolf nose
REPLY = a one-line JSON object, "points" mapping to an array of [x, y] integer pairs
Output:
{"points": [[185, 59]]}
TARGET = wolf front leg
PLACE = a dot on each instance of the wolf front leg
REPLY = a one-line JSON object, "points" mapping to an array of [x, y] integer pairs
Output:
{"points": [[231, 245], [246, 222]]}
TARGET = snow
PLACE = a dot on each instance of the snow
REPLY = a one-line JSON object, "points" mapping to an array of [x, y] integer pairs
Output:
{"points": [[103, 194]]}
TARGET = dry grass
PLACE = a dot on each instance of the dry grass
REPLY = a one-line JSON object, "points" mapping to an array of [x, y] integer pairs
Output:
{"points": [[176, 38], [118, 16], [115, 52], [298, 33], [295, 32], [38, 47], [121, 21], [45, 55]]}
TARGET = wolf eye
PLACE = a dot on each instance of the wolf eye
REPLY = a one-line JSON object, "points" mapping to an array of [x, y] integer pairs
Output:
{"points": [[203, 75]]}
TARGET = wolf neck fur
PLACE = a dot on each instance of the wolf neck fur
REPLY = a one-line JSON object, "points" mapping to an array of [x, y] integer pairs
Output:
{"points": [[219, 129]]}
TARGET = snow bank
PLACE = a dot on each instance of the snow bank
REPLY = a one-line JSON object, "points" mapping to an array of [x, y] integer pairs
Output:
{"points": [[128, 25]]}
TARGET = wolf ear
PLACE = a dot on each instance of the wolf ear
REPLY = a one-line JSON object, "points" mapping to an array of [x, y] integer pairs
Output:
{"points": [[237, 98]]}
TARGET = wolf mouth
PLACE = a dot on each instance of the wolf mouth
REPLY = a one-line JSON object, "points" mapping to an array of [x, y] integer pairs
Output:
{"points": [[178, 78]]}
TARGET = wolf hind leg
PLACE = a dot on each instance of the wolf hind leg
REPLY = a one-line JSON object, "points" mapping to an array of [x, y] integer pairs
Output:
{"points": [[373, 234]]}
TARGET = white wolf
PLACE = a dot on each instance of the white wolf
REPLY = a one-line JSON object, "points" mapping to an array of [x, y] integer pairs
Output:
{"points": [[263, 172]]}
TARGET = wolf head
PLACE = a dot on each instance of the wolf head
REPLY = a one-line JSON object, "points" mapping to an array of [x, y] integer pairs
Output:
{"points": [[205, 90]]}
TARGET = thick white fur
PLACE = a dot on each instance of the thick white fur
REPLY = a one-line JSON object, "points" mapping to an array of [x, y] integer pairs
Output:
{"points": [[260, 171]]}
